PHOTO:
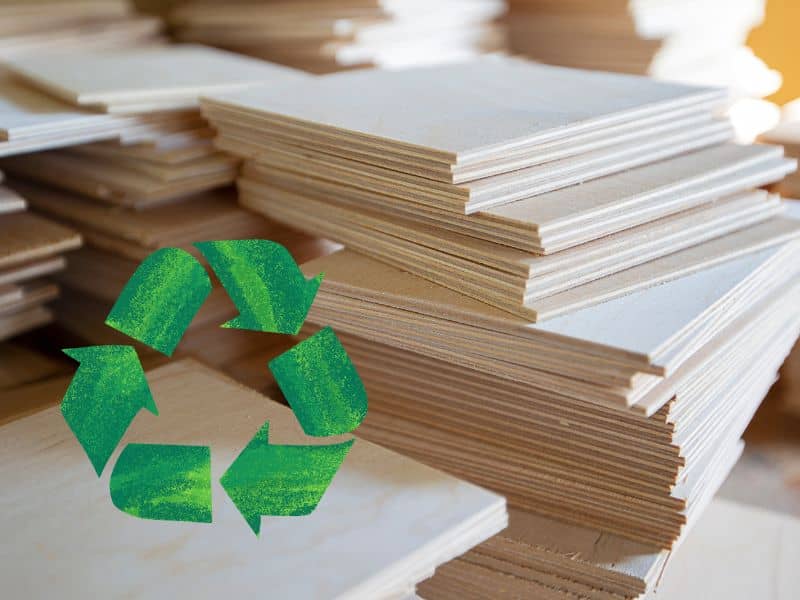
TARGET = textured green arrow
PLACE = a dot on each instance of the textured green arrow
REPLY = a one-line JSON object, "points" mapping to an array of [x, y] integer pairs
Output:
{"points": [[264, 282], [321, 385], [161, 298], [274, 480], [163, 482], [105, 395]]}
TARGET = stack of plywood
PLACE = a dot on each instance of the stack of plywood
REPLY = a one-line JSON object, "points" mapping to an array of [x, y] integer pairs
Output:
{"points": [[31, 249], [157, 182], [625, 416], [466, 175], [688, 40], [321, 36], [43, 26], [384, 524], [694, 41]]}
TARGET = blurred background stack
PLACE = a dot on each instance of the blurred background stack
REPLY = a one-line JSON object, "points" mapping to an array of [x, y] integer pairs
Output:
{"points": [[693, 41], [31, 249], [34, 26], [321, 36], [149, 178]]}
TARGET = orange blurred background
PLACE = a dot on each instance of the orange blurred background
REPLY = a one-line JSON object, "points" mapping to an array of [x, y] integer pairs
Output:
{"points": [[777, 42]]}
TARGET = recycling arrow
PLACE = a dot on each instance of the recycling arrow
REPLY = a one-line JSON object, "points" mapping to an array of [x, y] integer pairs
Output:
{"points": [[321, 385], [157, 305], [160, 299], [264, 282], [163, 482], [105, 395], [275, 480]]}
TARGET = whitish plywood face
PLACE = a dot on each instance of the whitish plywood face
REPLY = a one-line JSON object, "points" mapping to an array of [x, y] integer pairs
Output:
{"points": [[70, 541], [26, 111], [144, 75], [467, 107]]}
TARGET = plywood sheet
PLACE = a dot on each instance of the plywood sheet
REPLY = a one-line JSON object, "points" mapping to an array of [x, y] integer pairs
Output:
{"points": [[398, 494], [129, 77]]}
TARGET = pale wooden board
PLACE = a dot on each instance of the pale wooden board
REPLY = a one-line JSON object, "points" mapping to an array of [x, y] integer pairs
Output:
{"points": [[398, 495], [26, 112], [667, 268], [33, 121], [505, 101], [128, 76], [25, 237]]}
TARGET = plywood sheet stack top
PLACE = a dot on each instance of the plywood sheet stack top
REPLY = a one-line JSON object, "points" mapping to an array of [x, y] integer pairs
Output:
{"points": [[696, 42], [44, 26], [466, 175], [385, 523], [150, 178], [322, 36], [31, 249]]}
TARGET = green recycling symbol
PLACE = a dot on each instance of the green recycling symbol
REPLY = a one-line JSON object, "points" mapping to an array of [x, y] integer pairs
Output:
{"points": [[173, 482]]}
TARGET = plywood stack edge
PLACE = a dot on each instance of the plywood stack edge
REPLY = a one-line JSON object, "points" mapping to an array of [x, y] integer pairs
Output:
{"points": [[680, 392], [32, 249], [321, 37], [156, 181]]}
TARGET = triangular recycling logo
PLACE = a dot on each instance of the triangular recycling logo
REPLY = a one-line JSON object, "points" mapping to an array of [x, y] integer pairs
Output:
{"points": [[157, 305]]}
